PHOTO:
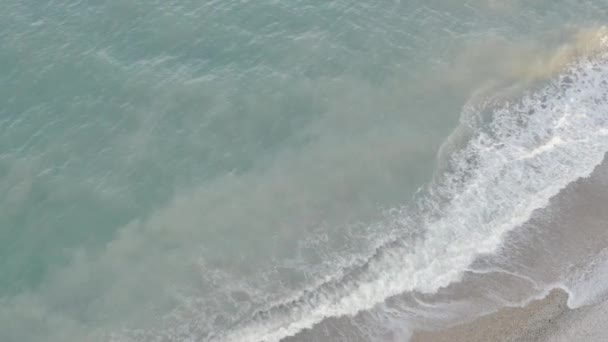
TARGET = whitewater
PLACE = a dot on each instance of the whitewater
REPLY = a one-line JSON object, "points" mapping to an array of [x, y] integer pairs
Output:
{"points": [[513, 164], [239, 171]]}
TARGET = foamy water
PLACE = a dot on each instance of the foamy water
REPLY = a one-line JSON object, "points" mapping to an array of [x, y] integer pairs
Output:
{"points": [[230, 172], [512, 166]]}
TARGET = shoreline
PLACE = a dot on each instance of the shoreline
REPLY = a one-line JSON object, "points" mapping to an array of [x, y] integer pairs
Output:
{"points": [[573, 224], [543, 320]]}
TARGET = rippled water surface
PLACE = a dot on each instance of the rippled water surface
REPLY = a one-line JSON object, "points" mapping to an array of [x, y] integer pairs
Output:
{"points": [[303, 170]]}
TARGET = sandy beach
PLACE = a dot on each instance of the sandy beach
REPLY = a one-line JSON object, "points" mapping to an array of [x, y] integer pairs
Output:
{"points": [[545, 320], [577, 224]]}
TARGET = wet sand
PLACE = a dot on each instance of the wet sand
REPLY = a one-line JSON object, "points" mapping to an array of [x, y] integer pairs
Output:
{"points": [[545, 320], [575, 224]]}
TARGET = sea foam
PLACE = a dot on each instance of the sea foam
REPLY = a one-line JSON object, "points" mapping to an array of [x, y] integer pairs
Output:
{"points": [[514, 162]]}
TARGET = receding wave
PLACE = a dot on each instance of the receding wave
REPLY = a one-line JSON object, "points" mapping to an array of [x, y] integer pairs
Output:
{"points": [[514, 161]]}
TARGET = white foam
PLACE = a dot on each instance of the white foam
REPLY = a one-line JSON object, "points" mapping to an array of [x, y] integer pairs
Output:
{"points": [[512, 166], [589, 284]]}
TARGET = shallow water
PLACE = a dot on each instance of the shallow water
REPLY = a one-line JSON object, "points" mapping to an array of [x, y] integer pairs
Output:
{"points": [[248, 170]]}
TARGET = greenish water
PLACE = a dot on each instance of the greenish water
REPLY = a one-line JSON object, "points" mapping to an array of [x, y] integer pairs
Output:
{"points": [[168, 169]]}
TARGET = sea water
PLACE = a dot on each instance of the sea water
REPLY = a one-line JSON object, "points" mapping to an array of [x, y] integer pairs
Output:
{"points": [[296, 170]]}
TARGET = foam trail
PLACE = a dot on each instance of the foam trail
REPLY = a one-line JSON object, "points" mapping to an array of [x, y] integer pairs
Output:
{"points": [[587, 285], [511, 166]]}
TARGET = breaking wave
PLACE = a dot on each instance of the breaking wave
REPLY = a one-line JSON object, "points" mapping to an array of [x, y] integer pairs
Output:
{"points": [[518, 155]]}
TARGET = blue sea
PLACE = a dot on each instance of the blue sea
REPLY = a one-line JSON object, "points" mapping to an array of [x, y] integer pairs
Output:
{"points": [[296, 170]]}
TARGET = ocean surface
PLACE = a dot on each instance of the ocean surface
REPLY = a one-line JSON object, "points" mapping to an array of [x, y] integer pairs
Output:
{"points": [[304, 170]]}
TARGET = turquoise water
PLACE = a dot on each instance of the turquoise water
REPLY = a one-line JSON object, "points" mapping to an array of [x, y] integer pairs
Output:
{"points": [[170, 171]]}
